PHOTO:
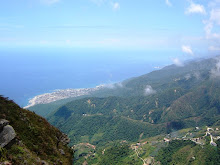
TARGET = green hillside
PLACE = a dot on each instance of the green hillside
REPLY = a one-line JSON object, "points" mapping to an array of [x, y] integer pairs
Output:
{"points": [[36, 140], [187, 152], [157, 103], [170, 77], [186, 146]]}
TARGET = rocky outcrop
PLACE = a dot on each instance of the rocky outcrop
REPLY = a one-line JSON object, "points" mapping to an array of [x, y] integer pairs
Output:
{"points": [[3, 123], [62, 152], [7, 133], [32, 140], [65, 139]]}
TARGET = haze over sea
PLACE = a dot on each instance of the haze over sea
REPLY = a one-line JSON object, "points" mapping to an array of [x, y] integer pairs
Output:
{"points": [[30, 72]]}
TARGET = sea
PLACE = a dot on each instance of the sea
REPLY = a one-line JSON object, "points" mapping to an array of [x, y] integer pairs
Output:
{"points": [[25, 73]]}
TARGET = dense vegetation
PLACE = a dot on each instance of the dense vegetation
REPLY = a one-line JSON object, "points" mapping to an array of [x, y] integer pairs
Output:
{"points": [[157, 103], [117, 118], [183, 79], [117, 154], [83, 126], [36, 138], [187, 152]]}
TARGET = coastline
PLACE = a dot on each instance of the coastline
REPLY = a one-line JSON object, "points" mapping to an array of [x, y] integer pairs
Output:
{"points": [[60, 94]]}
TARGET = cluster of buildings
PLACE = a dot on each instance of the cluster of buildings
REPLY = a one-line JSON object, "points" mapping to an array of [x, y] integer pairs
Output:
{"points": [[60, 94]]}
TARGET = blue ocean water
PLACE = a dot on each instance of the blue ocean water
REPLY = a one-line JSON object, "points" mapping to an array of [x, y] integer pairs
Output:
{"points": [[27, 73]]}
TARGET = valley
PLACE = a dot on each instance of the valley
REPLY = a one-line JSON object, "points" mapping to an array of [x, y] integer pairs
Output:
{"points": [[110, 82], [174, 106], [145, 151]]}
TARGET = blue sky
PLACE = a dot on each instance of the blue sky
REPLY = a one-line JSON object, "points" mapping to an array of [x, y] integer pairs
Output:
{"points": [[190, 26]]}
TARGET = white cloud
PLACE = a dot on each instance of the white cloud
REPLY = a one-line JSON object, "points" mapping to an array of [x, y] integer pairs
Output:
{"points": [[195, 8], [149, 90], [119, 84], [208, 28], [49, 2], [157, 67], [216, 71], [113, 86], [211, 23], [216, 36], [215, 16], [110, 86], [187, 49], [214, 48], [177, 62], [115, 6], [168, 3]]}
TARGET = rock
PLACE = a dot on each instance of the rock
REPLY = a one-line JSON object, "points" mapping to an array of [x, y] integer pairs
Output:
{"points": [[7, 135], [58, 162], [41, 162], [44, 162], [20, 143], [6, 163], [64, 139], [3, 123], [62, 152]]}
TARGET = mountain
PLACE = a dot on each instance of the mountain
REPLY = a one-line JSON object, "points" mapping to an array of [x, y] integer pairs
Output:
{"points": [[194, 72], [26, 138], [155, 104]]}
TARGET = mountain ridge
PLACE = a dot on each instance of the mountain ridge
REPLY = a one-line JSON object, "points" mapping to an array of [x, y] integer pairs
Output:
{"points": [[36, 141], [174, 97], [155, 104]]}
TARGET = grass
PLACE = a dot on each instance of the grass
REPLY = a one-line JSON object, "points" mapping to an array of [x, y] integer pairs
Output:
{"points": [[36, 138]]}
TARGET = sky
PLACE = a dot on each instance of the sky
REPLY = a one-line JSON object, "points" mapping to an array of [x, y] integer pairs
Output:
{"points": [[191, 26]]}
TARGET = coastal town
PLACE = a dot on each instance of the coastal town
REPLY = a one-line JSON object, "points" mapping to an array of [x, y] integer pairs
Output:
{"points": [[61, 94]]}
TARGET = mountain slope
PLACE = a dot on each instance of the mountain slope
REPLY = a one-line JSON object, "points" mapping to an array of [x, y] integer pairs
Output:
{"points": [[36, 142], [185, 78], [159, 102], [187, 152]]}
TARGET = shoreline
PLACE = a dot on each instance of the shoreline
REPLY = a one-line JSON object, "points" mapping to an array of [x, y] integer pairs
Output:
{"points": [[59, 94]]}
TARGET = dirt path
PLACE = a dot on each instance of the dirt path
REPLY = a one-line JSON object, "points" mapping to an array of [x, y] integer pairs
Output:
{"points": [[140, 157]]}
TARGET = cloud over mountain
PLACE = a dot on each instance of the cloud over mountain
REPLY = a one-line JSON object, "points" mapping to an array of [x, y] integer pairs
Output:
{"points": [[216, 71], [177, 62], [149, 90]]}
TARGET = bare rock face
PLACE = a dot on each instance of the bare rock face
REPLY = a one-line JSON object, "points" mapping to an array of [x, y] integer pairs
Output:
{"points": [[7, 133], [64, 139], [3, 123], [62, 152]]}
